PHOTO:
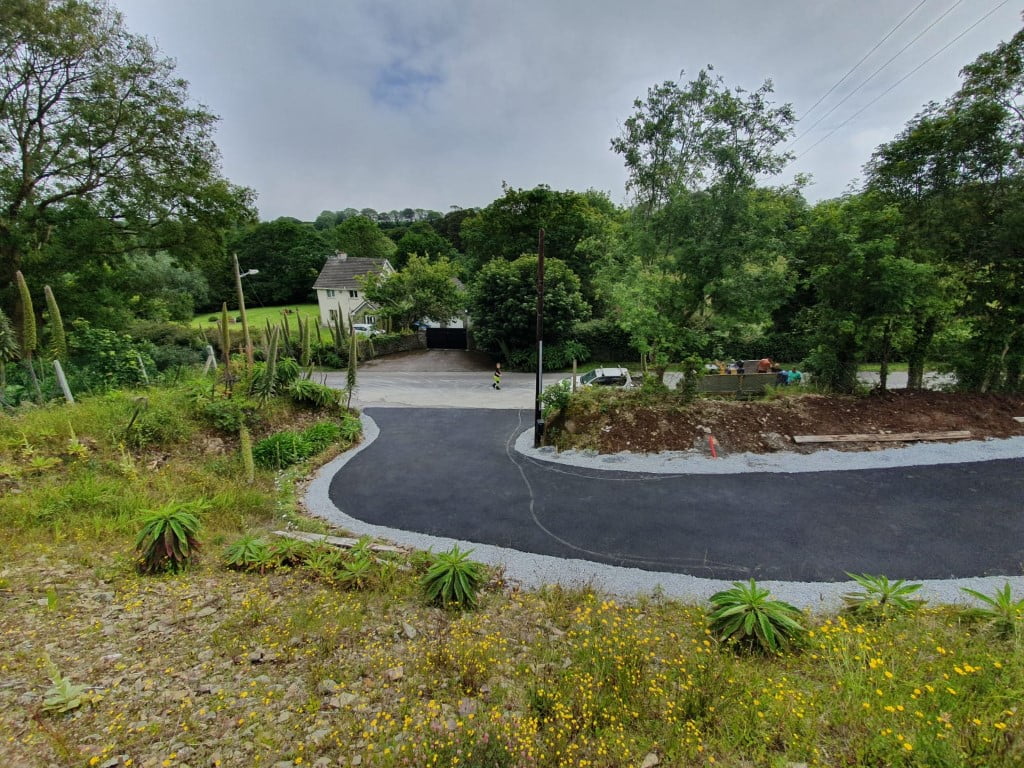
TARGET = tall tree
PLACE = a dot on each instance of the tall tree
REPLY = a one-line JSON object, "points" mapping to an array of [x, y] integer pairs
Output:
{"points": [[508, 227], [421, 289], [91, 113], [360, 237], [422, 239], [717, 244], [956, 173], [503, 303], [701, 135], [288, 254]]}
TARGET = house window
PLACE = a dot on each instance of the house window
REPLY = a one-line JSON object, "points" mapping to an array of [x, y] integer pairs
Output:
{"points": [[353, 294], [330, 294]]}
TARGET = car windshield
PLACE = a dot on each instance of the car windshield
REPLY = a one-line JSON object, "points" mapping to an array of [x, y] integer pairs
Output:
{"points": [[588, 377]]}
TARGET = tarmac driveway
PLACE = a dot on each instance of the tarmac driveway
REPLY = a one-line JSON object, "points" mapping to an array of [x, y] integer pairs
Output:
{"points": [[452, 472]]}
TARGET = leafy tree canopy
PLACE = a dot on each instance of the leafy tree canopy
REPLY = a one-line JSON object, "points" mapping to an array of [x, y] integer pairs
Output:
{"points": [[421, 289], [93, 118], [503, 303], [288, 254], [700, 135], [509, 227], [423, 239], [360, 237]]}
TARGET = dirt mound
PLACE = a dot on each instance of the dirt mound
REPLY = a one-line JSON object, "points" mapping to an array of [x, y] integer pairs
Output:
{"points": [[631, 421]]}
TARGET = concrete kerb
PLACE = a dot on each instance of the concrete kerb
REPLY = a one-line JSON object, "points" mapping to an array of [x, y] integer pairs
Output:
{"points": [[535, 571]]}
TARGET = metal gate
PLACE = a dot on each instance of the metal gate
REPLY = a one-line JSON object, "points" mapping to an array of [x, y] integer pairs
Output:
{"points": [[446, 338]]}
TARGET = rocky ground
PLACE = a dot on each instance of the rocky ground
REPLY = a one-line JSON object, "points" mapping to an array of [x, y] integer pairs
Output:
{"points": [[628, 423]]}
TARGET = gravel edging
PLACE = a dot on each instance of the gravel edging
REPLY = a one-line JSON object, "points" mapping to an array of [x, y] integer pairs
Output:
{"points": [[693, 463], [535, 571]]}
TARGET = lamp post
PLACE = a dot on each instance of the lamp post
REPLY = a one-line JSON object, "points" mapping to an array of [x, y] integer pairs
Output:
{"points": [[241, 307]]}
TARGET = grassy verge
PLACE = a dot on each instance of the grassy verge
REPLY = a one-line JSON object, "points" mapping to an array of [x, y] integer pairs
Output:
{"points": [[258, 316], [221, 667]]}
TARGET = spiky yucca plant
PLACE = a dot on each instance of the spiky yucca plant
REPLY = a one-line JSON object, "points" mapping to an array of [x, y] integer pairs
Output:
{"points": [[58, 338], [747, 615], [9, 350], [169, 539], [245, 446]]}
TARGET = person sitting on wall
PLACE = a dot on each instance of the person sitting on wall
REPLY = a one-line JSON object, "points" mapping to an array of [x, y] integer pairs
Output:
{"points": [[764, 365]]}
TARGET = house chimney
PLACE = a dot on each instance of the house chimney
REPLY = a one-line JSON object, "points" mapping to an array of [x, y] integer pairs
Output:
{"points": [[340, 256]]}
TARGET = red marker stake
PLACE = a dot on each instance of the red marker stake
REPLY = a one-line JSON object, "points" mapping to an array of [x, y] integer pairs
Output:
{"points": [[711, 445]]}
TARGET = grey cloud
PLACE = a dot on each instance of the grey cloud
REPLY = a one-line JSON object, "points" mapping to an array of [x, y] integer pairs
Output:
{"points": [[388, 104]]}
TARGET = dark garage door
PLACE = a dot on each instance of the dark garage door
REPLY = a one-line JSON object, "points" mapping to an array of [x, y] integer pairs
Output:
{"points": [[446, 338]]}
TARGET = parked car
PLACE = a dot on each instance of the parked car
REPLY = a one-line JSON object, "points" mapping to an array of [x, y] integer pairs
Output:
{"points": [[603, 377], [366, 329]]}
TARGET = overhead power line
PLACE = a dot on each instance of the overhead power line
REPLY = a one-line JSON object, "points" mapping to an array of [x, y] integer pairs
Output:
{"points": [[863, 58], [894, 85], [870, 77]]}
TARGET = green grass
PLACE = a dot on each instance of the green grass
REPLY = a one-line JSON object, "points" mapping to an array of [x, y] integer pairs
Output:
{"points": [[258, 316]]}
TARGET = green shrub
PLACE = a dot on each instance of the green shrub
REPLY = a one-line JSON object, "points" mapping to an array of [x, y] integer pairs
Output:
{"points": [[351, 427], [289, 552], [103, 359], [249, 553], [308, 392], [881, 598], [453, 579], [746, 615], [321, 435], [226, 414], [1004, 614], [356, 573], [555, 398], [287, 371], [168, 539], [281, 450]]}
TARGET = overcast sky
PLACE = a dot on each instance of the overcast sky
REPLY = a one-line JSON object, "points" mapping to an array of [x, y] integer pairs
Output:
{"points": [[329, 104]]}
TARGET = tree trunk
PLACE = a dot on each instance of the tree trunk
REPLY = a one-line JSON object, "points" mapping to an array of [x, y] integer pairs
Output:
{"points": [[918, 351], [883, 371]]}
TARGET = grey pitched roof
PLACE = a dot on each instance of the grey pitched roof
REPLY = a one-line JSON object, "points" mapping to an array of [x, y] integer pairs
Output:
{"points": [[341, 273]]}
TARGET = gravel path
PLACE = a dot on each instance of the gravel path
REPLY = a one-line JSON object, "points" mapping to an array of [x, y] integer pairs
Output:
{"points": [[537, 570]]}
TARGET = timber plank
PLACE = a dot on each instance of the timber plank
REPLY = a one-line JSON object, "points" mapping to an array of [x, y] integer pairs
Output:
{"points": [[894, 437], [335, 541]]}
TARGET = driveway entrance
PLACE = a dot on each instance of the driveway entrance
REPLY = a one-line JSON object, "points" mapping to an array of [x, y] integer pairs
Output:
{"points": [[452, 472]]}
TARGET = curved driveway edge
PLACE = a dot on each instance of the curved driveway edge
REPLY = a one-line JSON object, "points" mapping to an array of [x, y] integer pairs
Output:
{"points": [[532, 570], [689, 463]]}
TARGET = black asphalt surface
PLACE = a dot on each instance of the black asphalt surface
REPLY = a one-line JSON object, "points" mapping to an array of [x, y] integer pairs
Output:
{"points": [[454, 473]]}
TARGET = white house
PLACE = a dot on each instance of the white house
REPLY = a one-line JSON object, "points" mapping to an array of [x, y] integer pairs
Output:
{"points": [[338, 288]]}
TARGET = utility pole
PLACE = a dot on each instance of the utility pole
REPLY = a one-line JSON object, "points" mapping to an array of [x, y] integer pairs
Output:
{"points": [[538, 421], [241, 309]]}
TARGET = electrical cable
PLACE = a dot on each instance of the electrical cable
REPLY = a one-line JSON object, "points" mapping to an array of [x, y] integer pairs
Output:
{"points": [[862, 60], [894, 85], [872, 75]]}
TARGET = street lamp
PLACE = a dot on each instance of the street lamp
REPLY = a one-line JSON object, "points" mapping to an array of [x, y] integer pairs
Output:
{"points": [[241, 307]]}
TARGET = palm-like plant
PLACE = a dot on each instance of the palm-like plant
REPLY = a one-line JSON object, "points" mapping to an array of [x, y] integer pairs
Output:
{"points": [[168, 540], [880, 597], [249, 553], [453, 579], [747, 614], [9, 350], [1004, 614]]}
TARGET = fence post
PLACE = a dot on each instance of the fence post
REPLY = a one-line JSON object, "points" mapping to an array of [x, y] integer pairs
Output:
{"points": [[63, 382]]}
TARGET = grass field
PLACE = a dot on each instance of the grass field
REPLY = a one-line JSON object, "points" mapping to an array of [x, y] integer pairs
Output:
{"points": [[258, 316]]}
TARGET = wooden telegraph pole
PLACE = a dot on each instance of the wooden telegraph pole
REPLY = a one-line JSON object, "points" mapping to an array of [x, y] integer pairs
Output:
{"points": [[538, 421], [241, 309]]}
